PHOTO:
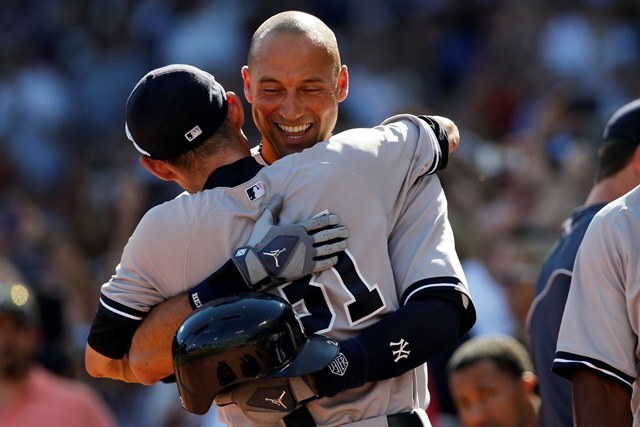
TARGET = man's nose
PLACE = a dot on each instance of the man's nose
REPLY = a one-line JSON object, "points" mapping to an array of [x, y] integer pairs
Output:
{"points": [[291, 108]]}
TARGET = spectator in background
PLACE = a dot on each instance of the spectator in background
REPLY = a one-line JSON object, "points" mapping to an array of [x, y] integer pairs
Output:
{"points": [[29, 394], [618, 171], [492, 383]]}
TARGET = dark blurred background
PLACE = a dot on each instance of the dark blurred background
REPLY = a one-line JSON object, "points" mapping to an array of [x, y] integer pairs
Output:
{"points": [[530, 83]]}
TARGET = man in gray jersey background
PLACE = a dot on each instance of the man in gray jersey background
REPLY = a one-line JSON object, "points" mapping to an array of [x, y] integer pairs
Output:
{"points": [[598, 342], [295, 132], [618, 164]]}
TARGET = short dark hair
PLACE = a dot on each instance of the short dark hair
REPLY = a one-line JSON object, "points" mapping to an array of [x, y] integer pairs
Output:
{"points": [[506, 352], [193, 160], [613, 156]]}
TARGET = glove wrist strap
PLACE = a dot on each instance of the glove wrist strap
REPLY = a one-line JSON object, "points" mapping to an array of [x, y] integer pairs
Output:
{"points": [[226, 281], [250, 267]]}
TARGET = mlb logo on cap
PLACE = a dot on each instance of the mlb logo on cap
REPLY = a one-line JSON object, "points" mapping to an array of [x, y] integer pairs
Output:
{"points": [[193, 133]]}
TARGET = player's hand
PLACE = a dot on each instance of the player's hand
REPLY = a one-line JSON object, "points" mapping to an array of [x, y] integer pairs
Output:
{"points": [[276, 254], [453, 133], [269, 400]]}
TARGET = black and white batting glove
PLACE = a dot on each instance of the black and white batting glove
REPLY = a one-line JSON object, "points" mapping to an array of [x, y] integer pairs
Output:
{"points": [[269, 400], [277, 254]]}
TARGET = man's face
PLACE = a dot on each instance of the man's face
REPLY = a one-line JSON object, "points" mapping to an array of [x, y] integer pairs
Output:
{"points": [[18, 346], [294, 88], [488, 397]]}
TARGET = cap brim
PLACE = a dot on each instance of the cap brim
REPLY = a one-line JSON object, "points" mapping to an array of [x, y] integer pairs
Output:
{"points": [[315, 354]]}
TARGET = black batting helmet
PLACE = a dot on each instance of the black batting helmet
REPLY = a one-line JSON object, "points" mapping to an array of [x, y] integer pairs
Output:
{"points": [[240, 338]]}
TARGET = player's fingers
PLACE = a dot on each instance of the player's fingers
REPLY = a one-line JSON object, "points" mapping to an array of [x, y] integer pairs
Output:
{"points": [[331, 248], [338, 232], [319, 222], [325, 264]]}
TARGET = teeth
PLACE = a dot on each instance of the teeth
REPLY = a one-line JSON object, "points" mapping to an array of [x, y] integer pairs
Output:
{"points": [[295, 129]]}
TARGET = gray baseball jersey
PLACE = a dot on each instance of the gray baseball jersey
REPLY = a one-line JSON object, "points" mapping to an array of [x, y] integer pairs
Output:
{"points": [[600, 325], [376, 181]]}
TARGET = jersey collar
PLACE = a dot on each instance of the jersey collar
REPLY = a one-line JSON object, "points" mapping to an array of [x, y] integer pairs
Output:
{"points": [[233, 174]]}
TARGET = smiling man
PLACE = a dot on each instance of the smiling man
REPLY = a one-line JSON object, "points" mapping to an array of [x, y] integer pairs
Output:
{"points": [[294, 97]]}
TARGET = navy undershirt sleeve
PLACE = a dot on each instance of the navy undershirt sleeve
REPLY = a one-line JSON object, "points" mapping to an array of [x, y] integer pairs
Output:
{"points": [[110, 335], [425, 327]]}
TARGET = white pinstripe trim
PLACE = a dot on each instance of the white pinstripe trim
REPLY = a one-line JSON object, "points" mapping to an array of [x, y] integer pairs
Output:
{"points": [[545, 291], [121, 313], [594, 367], [438, 285]]}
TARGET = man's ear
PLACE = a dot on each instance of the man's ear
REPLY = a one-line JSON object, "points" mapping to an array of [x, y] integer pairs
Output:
{"points": [[343, 83], [246, 83], [529, 382], [157, 167], [236, 110]]}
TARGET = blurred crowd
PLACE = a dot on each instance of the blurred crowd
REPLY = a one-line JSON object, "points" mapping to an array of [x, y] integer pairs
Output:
{"points": [[530, 83]]}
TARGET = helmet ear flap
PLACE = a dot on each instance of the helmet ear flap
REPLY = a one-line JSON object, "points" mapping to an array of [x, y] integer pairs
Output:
{"points": [[236, 339]]}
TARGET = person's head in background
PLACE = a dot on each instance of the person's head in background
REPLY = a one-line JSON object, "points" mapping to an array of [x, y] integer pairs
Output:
{"points": [[492, 383], [294, 81], [618, 163], [20, 333]]}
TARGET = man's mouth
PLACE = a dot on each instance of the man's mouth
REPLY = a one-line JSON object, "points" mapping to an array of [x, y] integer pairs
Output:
{"points": [[294, 132]]}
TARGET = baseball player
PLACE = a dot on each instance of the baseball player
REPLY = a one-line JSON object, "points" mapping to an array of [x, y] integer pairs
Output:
{"points": [[382, 352], [617, 163], [598, 340], [295, 104]]}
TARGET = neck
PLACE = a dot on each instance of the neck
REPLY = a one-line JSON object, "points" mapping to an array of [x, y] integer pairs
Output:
{"points": [[232, 152], [268, 155], [10, 388], [611, 188], [533, 411]]}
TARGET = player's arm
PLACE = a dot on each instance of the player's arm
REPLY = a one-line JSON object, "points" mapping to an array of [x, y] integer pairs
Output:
{"points": [[100, 366], [436, 308], [150, 352], [427, 325], [109, 340], [597, 401], [313, 244]]}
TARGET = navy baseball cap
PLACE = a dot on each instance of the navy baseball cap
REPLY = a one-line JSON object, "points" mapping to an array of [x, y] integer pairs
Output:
{"points": [[174, 109], [625, 123], [19, 301]]}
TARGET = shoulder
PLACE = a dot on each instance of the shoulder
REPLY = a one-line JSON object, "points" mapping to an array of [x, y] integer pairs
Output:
{"points": [[619, 215], [398, 127], [170, 222]]}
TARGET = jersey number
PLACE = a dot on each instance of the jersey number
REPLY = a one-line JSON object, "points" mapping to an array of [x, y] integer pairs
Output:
{"points": [[310, 297]]}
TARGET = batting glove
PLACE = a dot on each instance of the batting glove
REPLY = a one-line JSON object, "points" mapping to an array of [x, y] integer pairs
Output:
{"points": [[269, 400], [277, 254]]}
